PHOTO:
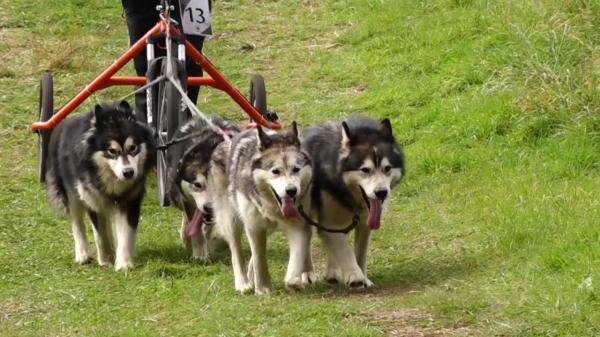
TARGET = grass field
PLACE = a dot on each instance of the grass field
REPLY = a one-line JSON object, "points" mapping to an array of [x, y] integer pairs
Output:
{"points": [[495, 230]]}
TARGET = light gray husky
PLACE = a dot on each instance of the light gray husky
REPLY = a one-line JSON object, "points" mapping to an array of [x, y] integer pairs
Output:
{"points": [[356, 163], [267, 177]]}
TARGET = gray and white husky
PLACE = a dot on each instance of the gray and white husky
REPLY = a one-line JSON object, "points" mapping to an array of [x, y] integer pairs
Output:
{"points": [[267, 177], [97, 165], [356, 163], [188, 180]]}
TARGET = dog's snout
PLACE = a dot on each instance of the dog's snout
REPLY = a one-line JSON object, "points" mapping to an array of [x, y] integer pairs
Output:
{"points": [[207, 208], [291, 191], [381, 193], [128, 173]]}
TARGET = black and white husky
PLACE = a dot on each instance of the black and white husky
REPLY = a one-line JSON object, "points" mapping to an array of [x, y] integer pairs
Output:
{"points": [[188, 179], [97, 165], [356, 163], [267, 177]]}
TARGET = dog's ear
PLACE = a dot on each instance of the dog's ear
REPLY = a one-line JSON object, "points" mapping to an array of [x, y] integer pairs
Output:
{"points": [[346, 135], [264, 141], [293, 132], [346, 140], [124, 107], [386, 129], [98, 115]]}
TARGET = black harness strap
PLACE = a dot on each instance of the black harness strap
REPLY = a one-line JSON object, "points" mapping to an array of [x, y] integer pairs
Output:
{"points": [[309, 221]]}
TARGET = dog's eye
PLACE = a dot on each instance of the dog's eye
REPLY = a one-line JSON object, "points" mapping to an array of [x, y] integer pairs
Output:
{"points": [[275, 172], [113, 152], [296, 169], [198, 185], [365, 170], [387, 168], [132, 148]]}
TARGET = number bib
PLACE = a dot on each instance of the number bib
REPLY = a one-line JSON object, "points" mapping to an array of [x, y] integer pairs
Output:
{"points": [[195, 17]]}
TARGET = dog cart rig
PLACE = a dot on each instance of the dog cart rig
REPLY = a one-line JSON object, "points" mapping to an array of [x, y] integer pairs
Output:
{"points": [[164, 83]]}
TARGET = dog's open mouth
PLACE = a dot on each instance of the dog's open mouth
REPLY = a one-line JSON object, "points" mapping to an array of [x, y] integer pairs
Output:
{"points": [[287, 206], [194, 226], [374, 206]]}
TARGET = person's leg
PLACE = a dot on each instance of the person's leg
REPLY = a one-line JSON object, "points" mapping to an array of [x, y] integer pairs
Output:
{"points": [[192, 68], [141, 16]]}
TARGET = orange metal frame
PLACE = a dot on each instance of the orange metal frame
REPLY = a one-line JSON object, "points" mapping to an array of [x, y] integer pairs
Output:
{"points": [[107, 79]]}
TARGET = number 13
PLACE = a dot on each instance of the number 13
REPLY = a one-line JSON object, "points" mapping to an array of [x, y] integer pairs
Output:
{"points": [[200, 12]]}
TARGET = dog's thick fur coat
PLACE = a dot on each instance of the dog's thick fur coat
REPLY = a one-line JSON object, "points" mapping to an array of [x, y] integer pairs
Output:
{"points": [[97, 164], [356, 163], [267, 177], [188, 179]]}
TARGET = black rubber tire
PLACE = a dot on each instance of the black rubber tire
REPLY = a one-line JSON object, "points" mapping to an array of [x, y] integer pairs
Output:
{"points": [[154, 69], [168, 116], [46, 110], [258, 94]]}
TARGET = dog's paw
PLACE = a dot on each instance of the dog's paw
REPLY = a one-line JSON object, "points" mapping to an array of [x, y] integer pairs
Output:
{"points": [[262, 290], [83, 257], [200, 252], [308, 278], [369, 283], [244, 288], [356, 280], [294, 283], [123, 266], [332, 276], [104, 262], [202, 258]]}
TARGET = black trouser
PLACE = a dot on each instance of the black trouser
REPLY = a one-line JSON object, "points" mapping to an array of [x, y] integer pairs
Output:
{"points": [[141, 16]]}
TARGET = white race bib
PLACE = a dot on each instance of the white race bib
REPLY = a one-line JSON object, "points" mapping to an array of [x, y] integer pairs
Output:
{"points": [[195, 17]]}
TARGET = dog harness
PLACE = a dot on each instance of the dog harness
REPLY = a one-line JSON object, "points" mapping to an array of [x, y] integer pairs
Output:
{"points": [[346, 230]]}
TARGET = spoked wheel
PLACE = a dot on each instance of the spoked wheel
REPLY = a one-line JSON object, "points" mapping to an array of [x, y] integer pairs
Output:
{"points": [[46, 110], [168, 114]]}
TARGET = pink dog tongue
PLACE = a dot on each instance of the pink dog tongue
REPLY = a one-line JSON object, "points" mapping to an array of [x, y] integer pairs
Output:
{"points": [[288, 208], [195, 225], [374, 218]]}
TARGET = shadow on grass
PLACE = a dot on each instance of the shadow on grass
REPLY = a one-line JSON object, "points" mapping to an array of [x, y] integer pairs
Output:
{"points": [[178, 254], [405, 276], [392, 275], [174, 261], [172, 253]]}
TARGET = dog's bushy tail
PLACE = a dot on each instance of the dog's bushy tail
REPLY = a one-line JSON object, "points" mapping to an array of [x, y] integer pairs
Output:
{"points": [[56, 192], [55, 187]]}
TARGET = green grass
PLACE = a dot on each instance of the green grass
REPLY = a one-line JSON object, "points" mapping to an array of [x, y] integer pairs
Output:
{"points": [[495, 228]]}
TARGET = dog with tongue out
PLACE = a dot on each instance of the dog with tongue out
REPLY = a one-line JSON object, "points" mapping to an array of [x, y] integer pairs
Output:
{"points": [[356, 164], [189, 165], [267, 176]]}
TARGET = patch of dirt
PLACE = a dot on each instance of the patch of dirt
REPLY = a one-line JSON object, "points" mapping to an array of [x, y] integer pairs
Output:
{"points": [[373, 294], [10, 310], [413, 323], [385, 292], [357, 89]]}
